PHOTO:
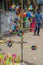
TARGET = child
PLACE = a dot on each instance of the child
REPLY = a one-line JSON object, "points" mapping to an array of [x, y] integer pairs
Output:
{"points": [[32, 25]]}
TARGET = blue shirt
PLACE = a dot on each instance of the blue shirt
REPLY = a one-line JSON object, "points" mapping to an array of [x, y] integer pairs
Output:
{"points": [[38, 17]]}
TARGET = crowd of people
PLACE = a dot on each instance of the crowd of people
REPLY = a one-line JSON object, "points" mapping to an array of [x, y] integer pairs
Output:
{"points": [[36, 21]]}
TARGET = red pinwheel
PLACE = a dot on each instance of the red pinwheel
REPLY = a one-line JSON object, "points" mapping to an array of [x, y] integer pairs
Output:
{"points": [[22, 32], [24, 14], [16, 26]]}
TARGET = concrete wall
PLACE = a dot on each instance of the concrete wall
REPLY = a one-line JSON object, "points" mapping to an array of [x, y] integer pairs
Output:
{"points": [[6, 19]]}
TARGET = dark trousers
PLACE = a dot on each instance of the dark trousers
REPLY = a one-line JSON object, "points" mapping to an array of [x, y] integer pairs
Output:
{"points": [[37, 28]]}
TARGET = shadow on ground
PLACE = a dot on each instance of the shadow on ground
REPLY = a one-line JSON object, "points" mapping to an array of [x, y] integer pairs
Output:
{"points": [[27, 63], [24, 42]]}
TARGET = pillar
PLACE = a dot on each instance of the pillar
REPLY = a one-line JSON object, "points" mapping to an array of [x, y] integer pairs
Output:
{"points": [[13, 1], [0, 26], [3, 5]]}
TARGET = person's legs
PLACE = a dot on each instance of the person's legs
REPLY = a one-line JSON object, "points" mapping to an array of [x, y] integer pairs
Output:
{"points": [[26, 24], [35, 29], [30, 27], [38, 31]]}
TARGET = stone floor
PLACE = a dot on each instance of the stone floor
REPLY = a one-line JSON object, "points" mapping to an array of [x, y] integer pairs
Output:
{"points": [[29, 56]]}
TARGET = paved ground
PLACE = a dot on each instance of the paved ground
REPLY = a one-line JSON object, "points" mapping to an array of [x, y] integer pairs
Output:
{"points": [[35, 57]]}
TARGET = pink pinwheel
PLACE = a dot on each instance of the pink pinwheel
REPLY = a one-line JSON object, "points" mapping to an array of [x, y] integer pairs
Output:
{"points": [[14, 55]]}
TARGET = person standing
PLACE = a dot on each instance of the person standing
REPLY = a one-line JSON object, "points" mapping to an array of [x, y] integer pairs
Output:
{"points": [[38, 17]]}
